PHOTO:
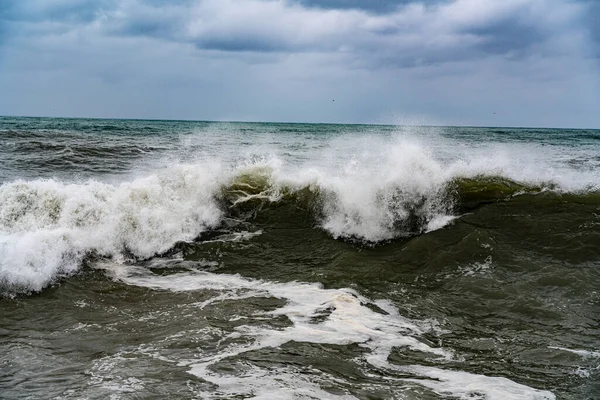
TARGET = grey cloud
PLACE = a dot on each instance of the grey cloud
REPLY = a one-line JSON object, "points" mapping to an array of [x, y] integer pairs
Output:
{"points": [[74, 11], [594, 24], [278, 60], [403, 32], [5, 21], [37, 18], [235, 44], [150, 27], [377, 6], [508, 36], [415, 32]]}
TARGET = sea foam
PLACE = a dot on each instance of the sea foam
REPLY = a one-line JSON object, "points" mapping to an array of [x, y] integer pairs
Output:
{"points": [[47, 227], [320, 316], [369, 188]]}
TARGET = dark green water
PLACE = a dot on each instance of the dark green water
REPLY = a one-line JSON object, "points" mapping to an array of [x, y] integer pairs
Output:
{"points": [[157, 259]]}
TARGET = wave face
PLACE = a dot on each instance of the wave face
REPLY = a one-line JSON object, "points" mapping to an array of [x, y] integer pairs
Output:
{"points": [[405, 194], [366, 187]]}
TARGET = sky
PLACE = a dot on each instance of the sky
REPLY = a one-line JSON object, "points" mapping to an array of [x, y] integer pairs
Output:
{"points": [[428, 62]]}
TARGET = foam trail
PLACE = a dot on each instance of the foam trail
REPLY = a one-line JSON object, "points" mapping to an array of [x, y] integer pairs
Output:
{"points": [[344, 319], [582, 353], [472, 386]]}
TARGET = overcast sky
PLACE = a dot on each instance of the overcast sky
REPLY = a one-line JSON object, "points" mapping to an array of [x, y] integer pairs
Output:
{"points": [[461, 62]]}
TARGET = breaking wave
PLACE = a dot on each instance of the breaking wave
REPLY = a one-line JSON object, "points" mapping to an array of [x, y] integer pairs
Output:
{"points": [[49, 227]]}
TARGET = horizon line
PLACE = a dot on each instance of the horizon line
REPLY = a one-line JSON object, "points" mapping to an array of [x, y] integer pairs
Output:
{"points": [[298, 122]]}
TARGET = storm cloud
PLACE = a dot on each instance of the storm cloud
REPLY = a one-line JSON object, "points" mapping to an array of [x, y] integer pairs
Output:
{"points": [[533, 62]]}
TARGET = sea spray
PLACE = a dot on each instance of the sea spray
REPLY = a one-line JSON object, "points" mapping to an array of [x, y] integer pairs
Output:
{"points": [[47, 227], [371, 190]]}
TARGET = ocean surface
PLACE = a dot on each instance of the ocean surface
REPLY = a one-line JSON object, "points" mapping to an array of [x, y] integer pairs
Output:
{"points": [[173, 259]]}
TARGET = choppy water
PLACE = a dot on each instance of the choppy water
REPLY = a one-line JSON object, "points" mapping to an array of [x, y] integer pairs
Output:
{"points": [[148, 259]]}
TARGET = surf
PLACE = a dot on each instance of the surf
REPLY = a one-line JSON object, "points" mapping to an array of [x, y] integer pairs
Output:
{"points": [[368, 190]]}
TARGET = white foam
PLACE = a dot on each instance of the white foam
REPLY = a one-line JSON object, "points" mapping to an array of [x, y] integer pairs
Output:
{"points": [[438, 222], [46, 226], [582, 353], [477, 268], [372, 185], [373, 195], [102, 375], [371, 188], [466, 385], [344, 318]]}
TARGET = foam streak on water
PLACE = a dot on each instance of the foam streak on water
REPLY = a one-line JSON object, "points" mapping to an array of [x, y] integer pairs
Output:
{"points": [[345, 318]]}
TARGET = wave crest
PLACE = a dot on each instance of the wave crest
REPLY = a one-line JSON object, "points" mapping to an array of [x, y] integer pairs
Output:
{"points": [[48, 227]]}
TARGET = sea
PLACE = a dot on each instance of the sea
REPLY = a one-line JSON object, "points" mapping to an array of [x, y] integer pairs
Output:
{"points": [[211, 260]]}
